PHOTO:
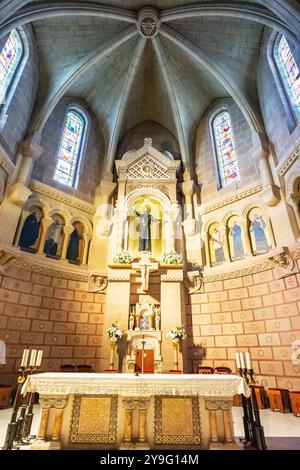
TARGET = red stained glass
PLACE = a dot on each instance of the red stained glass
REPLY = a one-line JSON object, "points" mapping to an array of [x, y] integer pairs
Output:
{"points": [[225, 147]]}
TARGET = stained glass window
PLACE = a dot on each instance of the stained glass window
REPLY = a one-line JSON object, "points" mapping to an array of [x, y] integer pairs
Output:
{"points": [[225, 148], [69, 150], [10, 58], [291, 75]]}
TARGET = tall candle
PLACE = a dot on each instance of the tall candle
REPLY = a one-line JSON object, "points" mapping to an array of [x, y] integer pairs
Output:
{"points": [[242, 360], [237, 360], [39, 356], [248, 361], [25, 356], [32, 358]]}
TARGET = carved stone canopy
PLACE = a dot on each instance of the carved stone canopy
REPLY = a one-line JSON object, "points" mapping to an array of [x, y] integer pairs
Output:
{"points": [[146, 163]]}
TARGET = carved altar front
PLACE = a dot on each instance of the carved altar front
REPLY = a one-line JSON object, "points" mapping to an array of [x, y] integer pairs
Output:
{"points": [[156, 411]]}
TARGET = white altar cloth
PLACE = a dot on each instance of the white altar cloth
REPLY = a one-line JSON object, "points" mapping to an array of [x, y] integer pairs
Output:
{"points": [[206, 385]]}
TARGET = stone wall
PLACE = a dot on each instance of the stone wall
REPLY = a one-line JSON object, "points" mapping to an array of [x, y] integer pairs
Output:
{"points": [[162, 139], [205, 153], [57, 315], [93, 152], [258, 313]]}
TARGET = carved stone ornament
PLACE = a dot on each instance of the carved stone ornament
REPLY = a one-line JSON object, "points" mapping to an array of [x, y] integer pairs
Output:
{"points": [[284, 263], [148, 27], [97, 282], [194, 282], [133, 403], [213, 405], [59, 402], [6, 260]]}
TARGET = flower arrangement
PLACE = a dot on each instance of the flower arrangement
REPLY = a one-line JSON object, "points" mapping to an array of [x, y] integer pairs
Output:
{"points": [[177, 333], [114, 332], [123, 257], [172, 257]]}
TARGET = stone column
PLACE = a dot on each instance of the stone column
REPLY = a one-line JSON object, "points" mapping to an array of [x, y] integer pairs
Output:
{"points": [[270, 192], [142, 407], [45, 408], [18, 193], [189, 222], [117, 308], [248, 248], [121, 221], [172, 313], [87, 239], [213, 426], [226, 244], [129, 405], [68, 229], [102, 224], [47, 403], [228, 426], [46, 223], [224, 405]]}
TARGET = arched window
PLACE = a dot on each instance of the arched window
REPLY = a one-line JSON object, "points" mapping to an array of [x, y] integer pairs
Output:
{"points": [[289, 72], [227, 163], [70, 148], [10, 59]]}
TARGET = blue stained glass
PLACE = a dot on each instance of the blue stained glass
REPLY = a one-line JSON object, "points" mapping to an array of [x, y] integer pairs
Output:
{"points": [[70, 149]]}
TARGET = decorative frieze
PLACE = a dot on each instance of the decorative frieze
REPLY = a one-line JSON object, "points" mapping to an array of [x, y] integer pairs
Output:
{"points": [[295, 155], [230, 200], [57, 195]]}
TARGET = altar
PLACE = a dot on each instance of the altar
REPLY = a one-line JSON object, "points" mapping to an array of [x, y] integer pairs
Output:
{"points": [[124, 411]]}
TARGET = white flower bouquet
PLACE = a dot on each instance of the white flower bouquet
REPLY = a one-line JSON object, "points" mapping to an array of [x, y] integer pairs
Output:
{"points": [[177, 333], [123, 257], [172, 257], [114, 331]]}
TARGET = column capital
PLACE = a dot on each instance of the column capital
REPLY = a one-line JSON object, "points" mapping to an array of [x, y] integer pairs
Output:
{"points": [[217, 404], [54, 401], [18, 194], [105, 188], [31, 147], [68, 229]]}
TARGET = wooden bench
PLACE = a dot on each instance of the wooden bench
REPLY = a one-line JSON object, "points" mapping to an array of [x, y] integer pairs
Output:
{"points": [[295, 401], [279, 400]]}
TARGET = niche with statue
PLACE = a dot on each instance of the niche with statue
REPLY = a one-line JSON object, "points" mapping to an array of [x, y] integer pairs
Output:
{"points": [[76, 244], [55, 237], [144, 335], [31, 230]]}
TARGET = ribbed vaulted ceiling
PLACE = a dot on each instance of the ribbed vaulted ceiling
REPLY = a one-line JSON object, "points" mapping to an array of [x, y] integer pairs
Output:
{"points": [[199, 51]]}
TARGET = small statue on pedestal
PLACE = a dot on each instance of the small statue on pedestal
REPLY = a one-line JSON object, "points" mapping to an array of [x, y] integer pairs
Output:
{"points": [[157, 318], [131, 321]]}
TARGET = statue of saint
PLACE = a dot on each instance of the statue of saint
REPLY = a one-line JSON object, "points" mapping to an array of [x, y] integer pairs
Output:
{"points": [[145, 236]]}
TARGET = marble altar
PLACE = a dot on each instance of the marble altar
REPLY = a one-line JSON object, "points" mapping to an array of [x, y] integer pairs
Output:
{"points": [[122, 411]]}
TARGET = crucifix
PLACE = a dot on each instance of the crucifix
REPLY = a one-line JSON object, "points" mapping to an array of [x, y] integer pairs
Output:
{"points": [[145, 265]]}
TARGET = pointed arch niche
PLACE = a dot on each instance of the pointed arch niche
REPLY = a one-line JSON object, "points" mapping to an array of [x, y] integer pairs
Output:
{"points": [[147, 178]]}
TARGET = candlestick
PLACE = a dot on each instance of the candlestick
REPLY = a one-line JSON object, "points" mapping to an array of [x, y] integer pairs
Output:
{"points": [[32, 358], [25, 356], [242, 360], [39, 356], [237, 360], [248, 361]]}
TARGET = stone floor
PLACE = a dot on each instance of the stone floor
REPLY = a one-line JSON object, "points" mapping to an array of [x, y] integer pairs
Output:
{"points": [[282, 431]]}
